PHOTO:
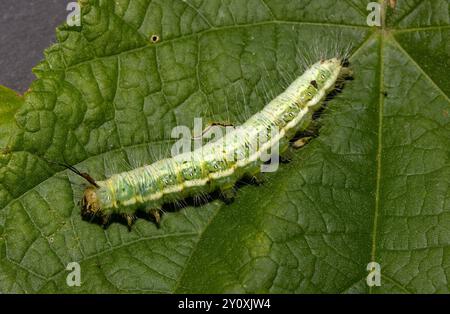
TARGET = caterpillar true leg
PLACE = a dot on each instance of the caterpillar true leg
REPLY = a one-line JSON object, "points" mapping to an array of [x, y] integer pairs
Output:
{"points": [[106, 220], [155, 213], [130, 219], [228, 195], [258, 178]]}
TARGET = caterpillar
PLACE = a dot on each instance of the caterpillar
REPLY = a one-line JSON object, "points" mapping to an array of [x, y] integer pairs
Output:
{"points": [[220, 164]]}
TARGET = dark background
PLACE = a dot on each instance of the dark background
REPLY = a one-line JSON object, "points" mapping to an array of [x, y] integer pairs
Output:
{"points": [[27, 27]]}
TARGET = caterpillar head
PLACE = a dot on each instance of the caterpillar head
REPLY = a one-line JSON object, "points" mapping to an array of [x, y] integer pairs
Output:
{"points": [[90, 205]]}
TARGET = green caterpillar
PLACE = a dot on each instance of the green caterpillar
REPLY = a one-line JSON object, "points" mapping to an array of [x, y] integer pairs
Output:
{"points": [[218, 165]]}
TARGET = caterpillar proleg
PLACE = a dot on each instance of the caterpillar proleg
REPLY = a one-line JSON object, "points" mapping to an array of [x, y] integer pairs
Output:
{"points": [[220, 164]]}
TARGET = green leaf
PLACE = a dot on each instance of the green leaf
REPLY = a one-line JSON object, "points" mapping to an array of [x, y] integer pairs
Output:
{"points": [[10, 102], [374, 186]]}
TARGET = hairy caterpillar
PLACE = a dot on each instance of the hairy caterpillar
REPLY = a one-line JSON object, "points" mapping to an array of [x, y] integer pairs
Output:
{"points": [[218, 165]]}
